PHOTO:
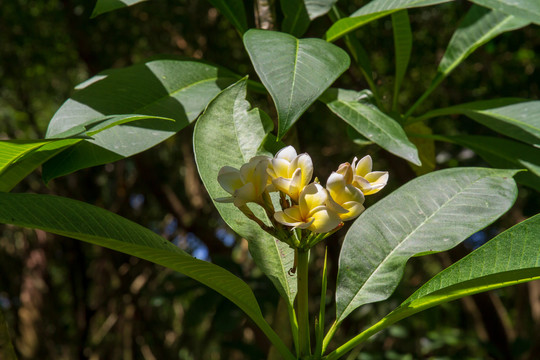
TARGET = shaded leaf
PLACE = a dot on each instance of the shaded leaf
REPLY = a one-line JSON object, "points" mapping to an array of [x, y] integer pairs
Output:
{"points": [[103, 6], [169, 88], [504, 154], [372, 11], [432, 213], [517, 118], [296, 19], [316, 8], [94, 225], [525, 9], [229, 134], [234, 11], [286, 66], [372, 123], [401, 27], [425, 146]]}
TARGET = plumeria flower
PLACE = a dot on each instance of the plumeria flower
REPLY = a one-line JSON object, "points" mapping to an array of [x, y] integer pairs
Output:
{"points": [[247, 184], [345, 196], [360, 175], [311, 213], [290, 172]]}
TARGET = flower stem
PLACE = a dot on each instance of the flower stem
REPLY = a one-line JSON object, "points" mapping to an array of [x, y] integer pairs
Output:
{"points": [[303, 302]]}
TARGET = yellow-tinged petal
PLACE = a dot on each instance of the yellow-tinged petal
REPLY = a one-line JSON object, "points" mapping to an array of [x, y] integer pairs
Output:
{"points": [[312, 196], [364, 166], [287, 153], [245, 194], [279, 168], [346, 196], [230, 179], [304, 162], [324, 220], [346, 170], [291, 217], [354, 210]]}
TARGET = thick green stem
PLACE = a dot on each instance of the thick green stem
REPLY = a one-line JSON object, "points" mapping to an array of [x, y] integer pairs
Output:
{"points": [[303, 302]]}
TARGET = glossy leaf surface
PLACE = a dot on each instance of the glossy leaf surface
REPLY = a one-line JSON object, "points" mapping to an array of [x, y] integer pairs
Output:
{"points": [[372, 11], [525, 9], [170, 88], [372, 123], [432, 213], [286, 66], [104, 6], [229, 134], [517, 118]]}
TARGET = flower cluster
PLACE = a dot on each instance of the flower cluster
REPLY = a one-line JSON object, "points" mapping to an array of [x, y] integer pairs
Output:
{"points": [[311, 210]]}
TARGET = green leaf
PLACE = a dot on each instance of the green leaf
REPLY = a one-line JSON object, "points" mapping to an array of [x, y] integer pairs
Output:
{"points": [[432, 213], [229, 134], [167, 88], [33, 153], [372, 11], [97, 226], [403, 46], [11, 175], [504, 154], [103, 6], [296, 19], [510, 258], [369, 121], [517, 118], [316, 8], [234, 11], [478, 27], [525, 9], [287, 65], [425, 146]]}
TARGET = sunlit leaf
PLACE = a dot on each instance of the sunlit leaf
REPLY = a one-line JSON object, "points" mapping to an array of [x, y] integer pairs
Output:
{"points": [[169, 88], [525, 9], [510, 258], [371, 122], [432, 213], [517, 118], [229, 134], [372, 11], [97, 226], [286, 66]]}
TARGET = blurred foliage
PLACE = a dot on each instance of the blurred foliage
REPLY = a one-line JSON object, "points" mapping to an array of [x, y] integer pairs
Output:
{"points": [[68, 300]]}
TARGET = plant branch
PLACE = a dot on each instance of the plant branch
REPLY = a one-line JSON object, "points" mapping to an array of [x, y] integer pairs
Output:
{"points": [[303, 303]]}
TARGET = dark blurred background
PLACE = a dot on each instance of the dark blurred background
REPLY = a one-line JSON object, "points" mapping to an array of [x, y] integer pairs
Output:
{"points": [[68, 300]]}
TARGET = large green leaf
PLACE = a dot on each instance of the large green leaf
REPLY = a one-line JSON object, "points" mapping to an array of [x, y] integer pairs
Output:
{"points": [[403, 46], [295, 72], [369, 121], [19, 158], [296, 18], [103, 6], [510, 258], [17, 170], [504, 154], [170, 88], [372, 11], [526, 9], [229, 134], [517, 118], [94, 225], [432, 213], [234, 11], [478, 27], [316, 8]]}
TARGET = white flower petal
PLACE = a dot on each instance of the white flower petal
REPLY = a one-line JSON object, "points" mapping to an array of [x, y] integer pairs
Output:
{"points": [[304, 162], [230, 179], [287, 153], [364, 166], [245, 194], [325, 220], [312, 196]]}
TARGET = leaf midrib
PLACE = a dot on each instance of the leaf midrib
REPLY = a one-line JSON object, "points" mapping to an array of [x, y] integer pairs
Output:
{"points": [[405, 240]]}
